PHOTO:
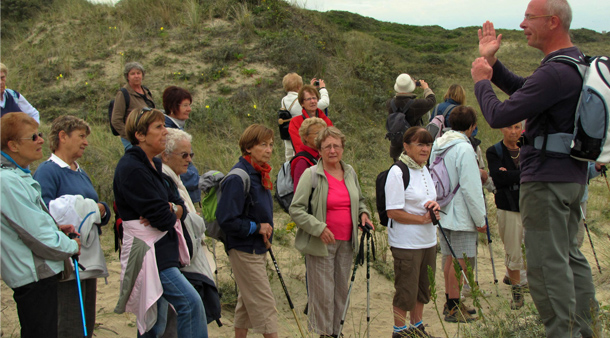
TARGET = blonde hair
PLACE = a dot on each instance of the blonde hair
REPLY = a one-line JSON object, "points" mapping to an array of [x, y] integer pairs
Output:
{"points": [[330, 132], [292, 82], [3, 68], [308, 123], [457, 93]]}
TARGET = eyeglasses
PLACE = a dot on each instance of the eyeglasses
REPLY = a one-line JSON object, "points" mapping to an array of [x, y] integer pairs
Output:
{"points": [[311, 99], [332, 146], [184, 155], [531, 17], [145, 109], [185, 105], [34, 137]]}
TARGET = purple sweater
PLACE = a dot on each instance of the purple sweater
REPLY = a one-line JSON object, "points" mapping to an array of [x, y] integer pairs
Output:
{"points": [[552, 92]]}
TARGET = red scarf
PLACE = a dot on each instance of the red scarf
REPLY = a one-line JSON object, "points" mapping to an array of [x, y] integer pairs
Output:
{"points": [[264, 170]]}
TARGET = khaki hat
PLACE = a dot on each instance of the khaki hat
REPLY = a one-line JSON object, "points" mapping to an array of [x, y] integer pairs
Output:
{"points": [[404, 84]]}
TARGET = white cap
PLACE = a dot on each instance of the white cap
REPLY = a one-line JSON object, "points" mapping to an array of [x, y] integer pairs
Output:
{"points": [[404, 84]]}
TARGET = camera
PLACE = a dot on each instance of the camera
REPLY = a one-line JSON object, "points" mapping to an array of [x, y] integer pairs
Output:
{"points": [[417, 84], [316, 83]]}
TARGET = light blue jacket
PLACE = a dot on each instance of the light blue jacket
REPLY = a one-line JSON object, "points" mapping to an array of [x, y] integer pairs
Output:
{"points": [[467, 208], [33, 247]]}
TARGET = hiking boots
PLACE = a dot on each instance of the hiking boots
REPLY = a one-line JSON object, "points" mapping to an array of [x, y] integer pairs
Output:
{"points": [[517, 302], [459, 314], [413, 332], [470, 310]]}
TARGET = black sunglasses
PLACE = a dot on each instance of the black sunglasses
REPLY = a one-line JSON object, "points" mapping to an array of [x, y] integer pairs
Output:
{"points": [[34, 137], [145, 109], [185, 155]]}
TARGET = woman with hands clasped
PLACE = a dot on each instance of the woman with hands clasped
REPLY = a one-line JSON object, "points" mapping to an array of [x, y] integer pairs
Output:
{"points": [[411, 234], [327, 207]]}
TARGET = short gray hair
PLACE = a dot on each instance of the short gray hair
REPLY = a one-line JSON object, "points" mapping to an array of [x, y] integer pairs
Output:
{"points": [[132, 65], [175, 136], [561, 9]]}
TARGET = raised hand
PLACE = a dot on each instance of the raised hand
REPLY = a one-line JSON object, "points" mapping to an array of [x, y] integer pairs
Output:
{"points": [[489, 43]]}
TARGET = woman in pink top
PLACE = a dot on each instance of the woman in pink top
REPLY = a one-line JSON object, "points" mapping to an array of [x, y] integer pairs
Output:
{"points": [[327, 234]]}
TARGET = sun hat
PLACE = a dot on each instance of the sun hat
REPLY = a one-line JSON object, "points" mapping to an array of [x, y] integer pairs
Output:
{"points": [[404, 84]]}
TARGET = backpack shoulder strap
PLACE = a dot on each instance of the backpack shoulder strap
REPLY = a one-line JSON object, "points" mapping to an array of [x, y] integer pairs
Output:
{"points": [[580, 65], [406, 175], [498, 149], [147, 90], [448, 110], [127, 100], [307, 156], [404, 109], [244, 177], [292, 104]]}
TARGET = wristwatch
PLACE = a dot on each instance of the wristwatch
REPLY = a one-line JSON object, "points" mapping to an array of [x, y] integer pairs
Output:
{"points": [[174, 207]]}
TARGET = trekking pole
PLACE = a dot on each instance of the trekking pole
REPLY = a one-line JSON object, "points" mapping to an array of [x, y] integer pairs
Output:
{"points": [[77, 265], [491, 254], [370, 243], [279, 274], [590, 240], [435, 221], [358, 261]]}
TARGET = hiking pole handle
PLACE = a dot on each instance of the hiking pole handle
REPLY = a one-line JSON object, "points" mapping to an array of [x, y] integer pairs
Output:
{"points": [[433, 216]]}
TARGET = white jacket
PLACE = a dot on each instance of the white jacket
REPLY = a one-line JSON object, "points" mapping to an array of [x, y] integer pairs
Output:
{"points": [[467, 208], [84, 214]]}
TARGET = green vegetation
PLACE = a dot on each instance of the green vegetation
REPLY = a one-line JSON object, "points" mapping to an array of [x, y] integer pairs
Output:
{"points": [[67, 57]]}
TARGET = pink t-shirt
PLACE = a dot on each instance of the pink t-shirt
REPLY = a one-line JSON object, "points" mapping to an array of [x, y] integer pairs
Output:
{"points": [[338, 209]]}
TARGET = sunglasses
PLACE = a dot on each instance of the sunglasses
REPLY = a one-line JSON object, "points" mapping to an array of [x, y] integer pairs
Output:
{"points": [[34, 137], [145, 109], [185, 155]]}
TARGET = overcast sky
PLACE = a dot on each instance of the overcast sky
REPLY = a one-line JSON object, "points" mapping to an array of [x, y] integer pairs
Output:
{"points": [[450, 14]]}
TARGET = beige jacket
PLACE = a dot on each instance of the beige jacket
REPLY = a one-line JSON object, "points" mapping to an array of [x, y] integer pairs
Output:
{"points": [[310, 226]]}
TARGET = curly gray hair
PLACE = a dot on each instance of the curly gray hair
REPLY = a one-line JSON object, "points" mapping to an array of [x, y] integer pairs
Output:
{"points": [[132, 65], [175, 136]]}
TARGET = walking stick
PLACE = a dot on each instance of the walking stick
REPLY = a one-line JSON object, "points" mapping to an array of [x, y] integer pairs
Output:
{"points": [[279, 274], [435, 221], [358, 261], [370, 243], [491, 255], [80, 295], [590, 240]]}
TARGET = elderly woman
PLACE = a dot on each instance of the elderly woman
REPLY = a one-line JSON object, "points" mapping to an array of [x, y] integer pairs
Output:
{"points": [[292, 84], [411, 234], [406, 99], [133, 95], [70, 196], [327, 218], [176, 158], [177, 104], [246, 217], [308, 155], [33, 246], [11, 101], [455, 96], [308, 98], [153, 234]]}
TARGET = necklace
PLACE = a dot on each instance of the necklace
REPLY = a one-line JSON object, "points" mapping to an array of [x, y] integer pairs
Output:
{"points": [[516, 157]]}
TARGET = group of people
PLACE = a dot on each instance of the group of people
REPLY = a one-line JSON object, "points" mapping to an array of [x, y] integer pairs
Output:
{"points": [[55, 214]]}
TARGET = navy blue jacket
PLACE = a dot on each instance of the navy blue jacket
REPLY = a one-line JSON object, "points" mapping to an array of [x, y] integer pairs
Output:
{"points": [[140, 190], [506, 181], [236, 210]]}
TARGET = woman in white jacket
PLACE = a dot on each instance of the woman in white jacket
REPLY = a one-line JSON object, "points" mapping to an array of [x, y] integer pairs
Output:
{"points": [[465, 213]]}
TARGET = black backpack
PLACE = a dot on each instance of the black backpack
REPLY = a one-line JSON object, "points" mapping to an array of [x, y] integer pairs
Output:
{"points": [[380, 190], [397, 124], [127, 99]]}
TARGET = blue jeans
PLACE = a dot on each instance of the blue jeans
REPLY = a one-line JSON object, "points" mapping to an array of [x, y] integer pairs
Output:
{"points": [[189, 308], [126, 144]]}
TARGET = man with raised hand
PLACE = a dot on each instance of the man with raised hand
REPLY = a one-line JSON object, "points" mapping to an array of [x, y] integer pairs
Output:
{"points": [[552, 183]]}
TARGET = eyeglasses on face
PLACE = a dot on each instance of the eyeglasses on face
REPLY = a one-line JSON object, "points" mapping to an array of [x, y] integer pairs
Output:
{"points": [[184, 155], [332, 146], [532, 17], [34, 137], [313, 98], [145, 109]]}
